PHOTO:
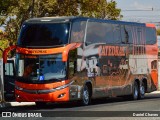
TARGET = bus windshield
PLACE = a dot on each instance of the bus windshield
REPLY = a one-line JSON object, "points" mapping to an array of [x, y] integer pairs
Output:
{"points": [[43, 35], [35, 68]]}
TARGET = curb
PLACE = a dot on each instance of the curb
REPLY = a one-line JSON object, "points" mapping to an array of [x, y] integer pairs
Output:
{"points": [[155, 92], [21, 103], [9, 104]]}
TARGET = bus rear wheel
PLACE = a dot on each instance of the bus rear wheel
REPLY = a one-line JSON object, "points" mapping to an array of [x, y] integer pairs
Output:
{"points": [[141, 91], [86, 97], [135, 93]]}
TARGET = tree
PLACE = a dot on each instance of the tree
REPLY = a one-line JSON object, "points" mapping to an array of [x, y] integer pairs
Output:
{"points": [[100, 9], [25, 9], [113, 13], [3, 42], [158, 31]]}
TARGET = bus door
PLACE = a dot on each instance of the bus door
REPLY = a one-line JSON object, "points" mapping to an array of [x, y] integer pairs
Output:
{"points": [[9, 79], [154, 72], [1, 81]]}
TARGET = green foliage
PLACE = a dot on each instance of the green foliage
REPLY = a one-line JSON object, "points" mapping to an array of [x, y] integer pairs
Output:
{"points": [[158, 31], [100, 9], [112, 12], [4, 44], [56, 8]]}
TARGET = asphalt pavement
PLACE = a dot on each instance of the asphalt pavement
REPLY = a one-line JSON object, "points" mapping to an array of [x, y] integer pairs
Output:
{"points": [[14, 103], [110, 109]]}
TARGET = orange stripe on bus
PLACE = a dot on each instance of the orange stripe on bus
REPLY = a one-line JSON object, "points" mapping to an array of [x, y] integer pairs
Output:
{"points": [[150, 25], [64, 50], [41, 86], [40, 51]]}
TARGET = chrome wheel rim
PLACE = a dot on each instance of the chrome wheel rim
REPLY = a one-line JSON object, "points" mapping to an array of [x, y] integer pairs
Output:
{"points": [[135, 92], [142, 90], [86, 96]]}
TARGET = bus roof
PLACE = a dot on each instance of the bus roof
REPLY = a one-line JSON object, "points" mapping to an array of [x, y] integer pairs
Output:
{"points": [[76, 18]]}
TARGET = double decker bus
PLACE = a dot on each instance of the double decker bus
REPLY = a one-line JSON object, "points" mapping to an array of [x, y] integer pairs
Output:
{"points": [[61, 59]]}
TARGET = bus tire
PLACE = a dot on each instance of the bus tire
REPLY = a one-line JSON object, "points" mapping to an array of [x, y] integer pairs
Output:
{"points": [[86, 96], [141, 91], [135, 92]]}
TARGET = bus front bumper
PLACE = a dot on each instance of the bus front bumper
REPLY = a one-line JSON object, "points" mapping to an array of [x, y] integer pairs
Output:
{"points": [[44, 95], [57, 96]]}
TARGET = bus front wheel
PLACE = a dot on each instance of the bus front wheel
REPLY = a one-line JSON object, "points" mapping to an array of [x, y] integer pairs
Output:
{"points": [[86, 97]]}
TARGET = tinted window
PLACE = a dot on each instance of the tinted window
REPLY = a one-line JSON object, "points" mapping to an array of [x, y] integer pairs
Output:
{"points": [[116, 33], [109, 33], [44, 34], [139, 33], [103, 33], [96, 33], [45, 68], [78, 31], [150, 36], [124, 38], [126, 34]]}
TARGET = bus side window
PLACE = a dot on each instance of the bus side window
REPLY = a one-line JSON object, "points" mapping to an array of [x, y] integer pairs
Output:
{"points": [[139, 33], [126, 34], [150, 36], [109, 34], [78, 31], [116, 33], [72, 63], [96, 33]]}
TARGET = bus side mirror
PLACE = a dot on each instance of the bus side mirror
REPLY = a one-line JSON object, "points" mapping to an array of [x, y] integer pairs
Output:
{"points": [[6, 51]]}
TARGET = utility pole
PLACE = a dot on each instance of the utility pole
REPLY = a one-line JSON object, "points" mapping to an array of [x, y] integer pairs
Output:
{"points": [[158, 75], [2, 99]]}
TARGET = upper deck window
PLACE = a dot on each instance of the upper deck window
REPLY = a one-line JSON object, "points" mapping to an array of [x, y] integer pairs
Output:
{"points": [[151, 36], [43, 34], [78, 31]]}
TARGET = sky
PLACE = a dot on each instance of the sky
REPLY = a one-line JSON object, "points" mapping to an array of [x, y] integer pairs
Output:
{"points": [[140, 10]]}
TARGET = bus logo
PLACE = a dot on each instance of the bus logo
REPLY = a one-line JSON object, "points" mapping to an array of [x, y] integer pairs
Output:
{"points": [[111, 51], [41, 77]]}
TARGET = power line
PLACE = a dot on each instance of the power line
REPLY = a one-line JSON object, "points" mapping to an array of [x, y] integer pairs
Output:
{"points": [[146, 9], [136, 10], [153, 16]]}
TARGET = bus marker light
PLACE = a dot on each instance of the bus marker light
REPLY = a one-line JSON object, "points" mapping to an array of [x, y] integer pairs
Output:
{"points": [[61, 95]]}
